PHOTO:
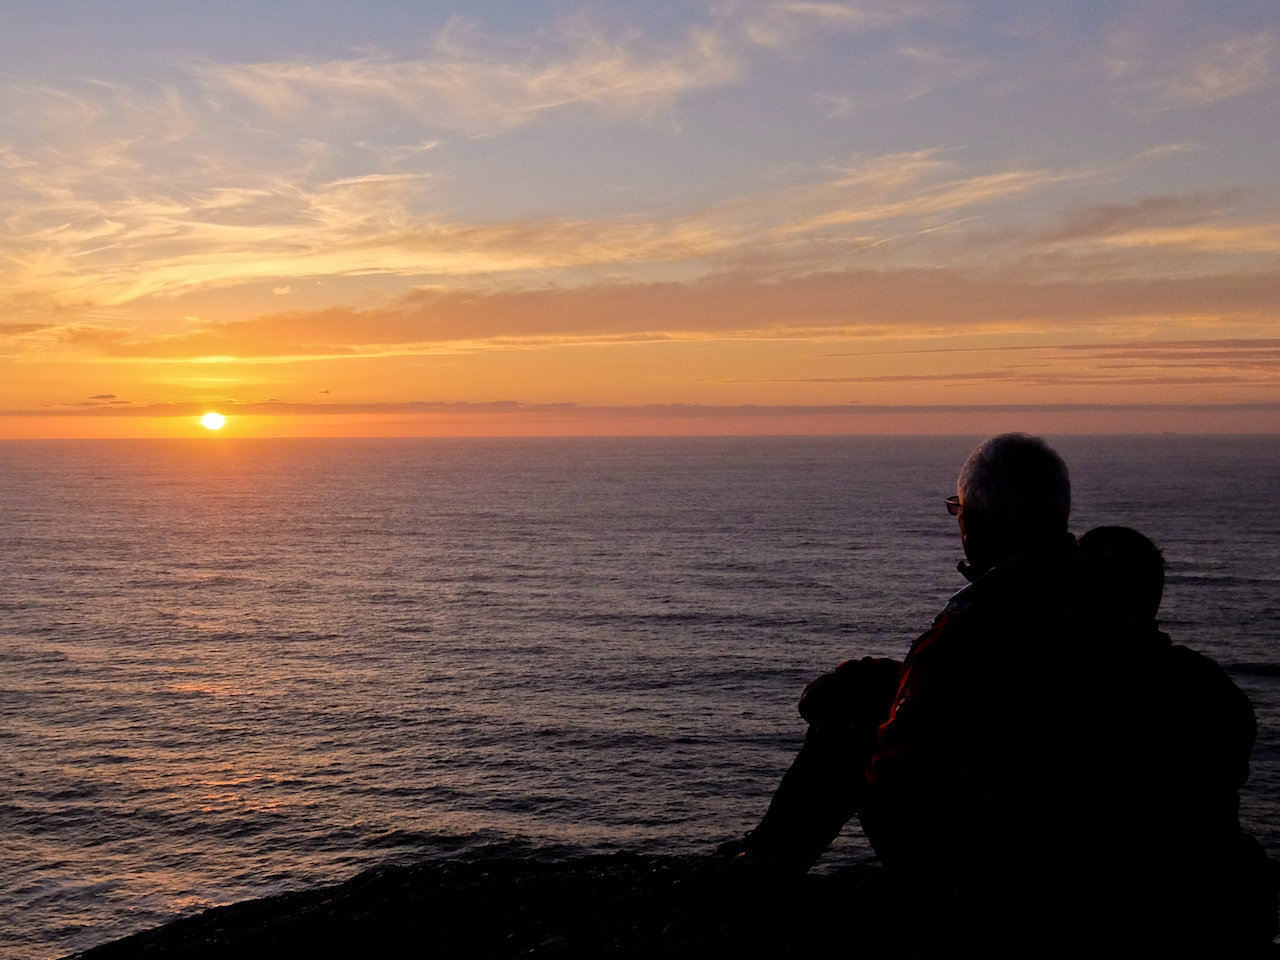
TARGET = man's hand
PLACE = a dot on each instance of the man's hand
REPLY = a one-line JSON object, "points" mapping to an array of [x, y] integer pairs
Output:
{"points": [[854, 696]]}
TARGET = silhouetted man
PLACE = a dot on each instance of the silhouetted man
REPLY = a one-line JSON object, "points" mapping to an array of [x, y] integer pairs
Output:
{"points": [[1022, 772]]}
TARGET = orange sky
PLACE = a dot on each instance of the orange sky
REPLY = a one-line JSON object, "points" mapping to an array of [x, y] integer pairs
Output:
{"points": [[759, 217]]}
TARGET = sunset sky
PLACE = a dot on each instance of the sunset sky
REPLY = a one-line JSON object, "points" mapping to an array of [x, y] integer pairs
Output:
{"points": [[411, 218]]}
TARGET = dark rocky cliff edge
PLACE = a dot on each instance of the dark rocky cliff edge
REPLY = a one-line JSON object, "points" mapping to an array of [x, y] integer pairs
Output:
{"points": [[619, 905]]}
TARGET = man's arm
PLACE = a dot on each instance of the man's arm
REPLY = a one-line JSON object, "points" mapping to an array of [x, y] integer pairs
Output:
{"points": [[826, 782]]}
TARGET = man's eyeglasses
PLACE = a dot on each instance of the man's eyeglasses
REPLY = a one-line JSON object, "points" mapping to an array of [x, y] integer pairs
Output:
{"points": [[953, 505]]}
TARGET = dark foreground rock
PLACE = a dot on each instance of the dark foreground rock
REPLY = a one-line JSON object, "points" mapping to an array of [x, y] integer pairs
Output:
{"points": [[607, 906], [627, 905]]}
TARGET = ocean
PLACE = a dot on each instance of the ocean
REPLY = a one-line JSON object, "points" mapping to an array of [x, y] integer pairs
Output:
{"points": [[230, 667]]}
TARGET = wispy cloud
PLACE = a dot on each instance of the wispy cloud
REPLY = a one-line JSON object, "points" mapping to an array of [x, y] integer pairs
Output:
{"points": [[1146, 213], [476, 83], [97, 231], [935, 68], [1229, 68], [1152, 371], [782, 25], [876, 194], [1265, 347], [164, 240], [1243, 238], [1205, 223], [1177, 72], [1018, 377], [19, 329], [853, 303]]}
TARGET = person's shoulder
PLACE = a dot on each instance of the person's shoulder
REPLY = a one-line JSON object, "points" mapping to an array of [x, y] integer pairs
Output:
{"points": [[1203, 685], [1196, 667], [960, 603], [1188, 662], [1039, 580]]}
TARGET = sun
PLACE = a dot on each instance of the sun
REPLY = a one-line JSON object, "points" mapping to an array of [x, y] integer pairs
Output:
{"points": [[213, 421]]}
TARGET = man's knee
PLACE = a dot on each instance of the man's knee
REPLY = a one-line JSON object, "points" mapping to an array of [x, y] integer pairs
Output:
{"points": [[856, 695]]}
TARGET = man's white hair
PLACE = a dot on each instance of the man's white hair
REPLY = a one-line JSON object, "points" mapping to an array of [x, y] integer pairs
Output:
{"points": [[1018, 483]]}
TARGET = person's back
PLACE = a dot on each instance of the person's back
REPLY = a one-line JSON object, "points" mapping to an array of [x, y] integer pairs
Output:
{"points": [[980, 713], [984, 790], [1194, 726], [1178, 737]]}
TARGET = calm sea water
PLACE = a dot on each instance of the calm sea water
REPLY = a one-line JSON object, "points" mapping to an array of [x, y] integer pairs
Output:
{"points": [[230, 668]]}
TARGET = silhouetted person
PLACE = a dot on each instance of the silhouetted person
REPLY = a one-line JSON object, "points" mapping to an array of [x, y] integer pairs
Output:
{"points": [[1024, 773], [1127, 574], [1185, 863]]}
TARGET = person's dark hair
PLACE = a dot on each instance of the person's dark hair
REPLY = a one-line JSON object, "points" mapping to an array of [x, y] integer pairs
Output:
{"points": [[1127, 570], [1019, 485]]}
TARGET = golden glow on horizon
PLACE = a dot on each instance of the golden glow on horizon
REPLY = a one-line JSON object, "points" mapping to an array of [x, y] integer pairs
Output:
{"points": [[964, 421], [213, 421]]}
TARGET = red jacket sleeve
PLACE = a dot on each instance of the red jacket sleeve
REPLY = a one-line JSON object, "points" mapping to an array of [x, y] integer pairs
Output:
{"points": [[919, 783]]}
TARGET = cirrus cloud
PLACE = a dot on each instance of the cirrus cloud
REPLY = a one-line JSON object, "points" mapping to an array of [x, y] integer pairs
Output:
{"points": [[903, 303]]}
